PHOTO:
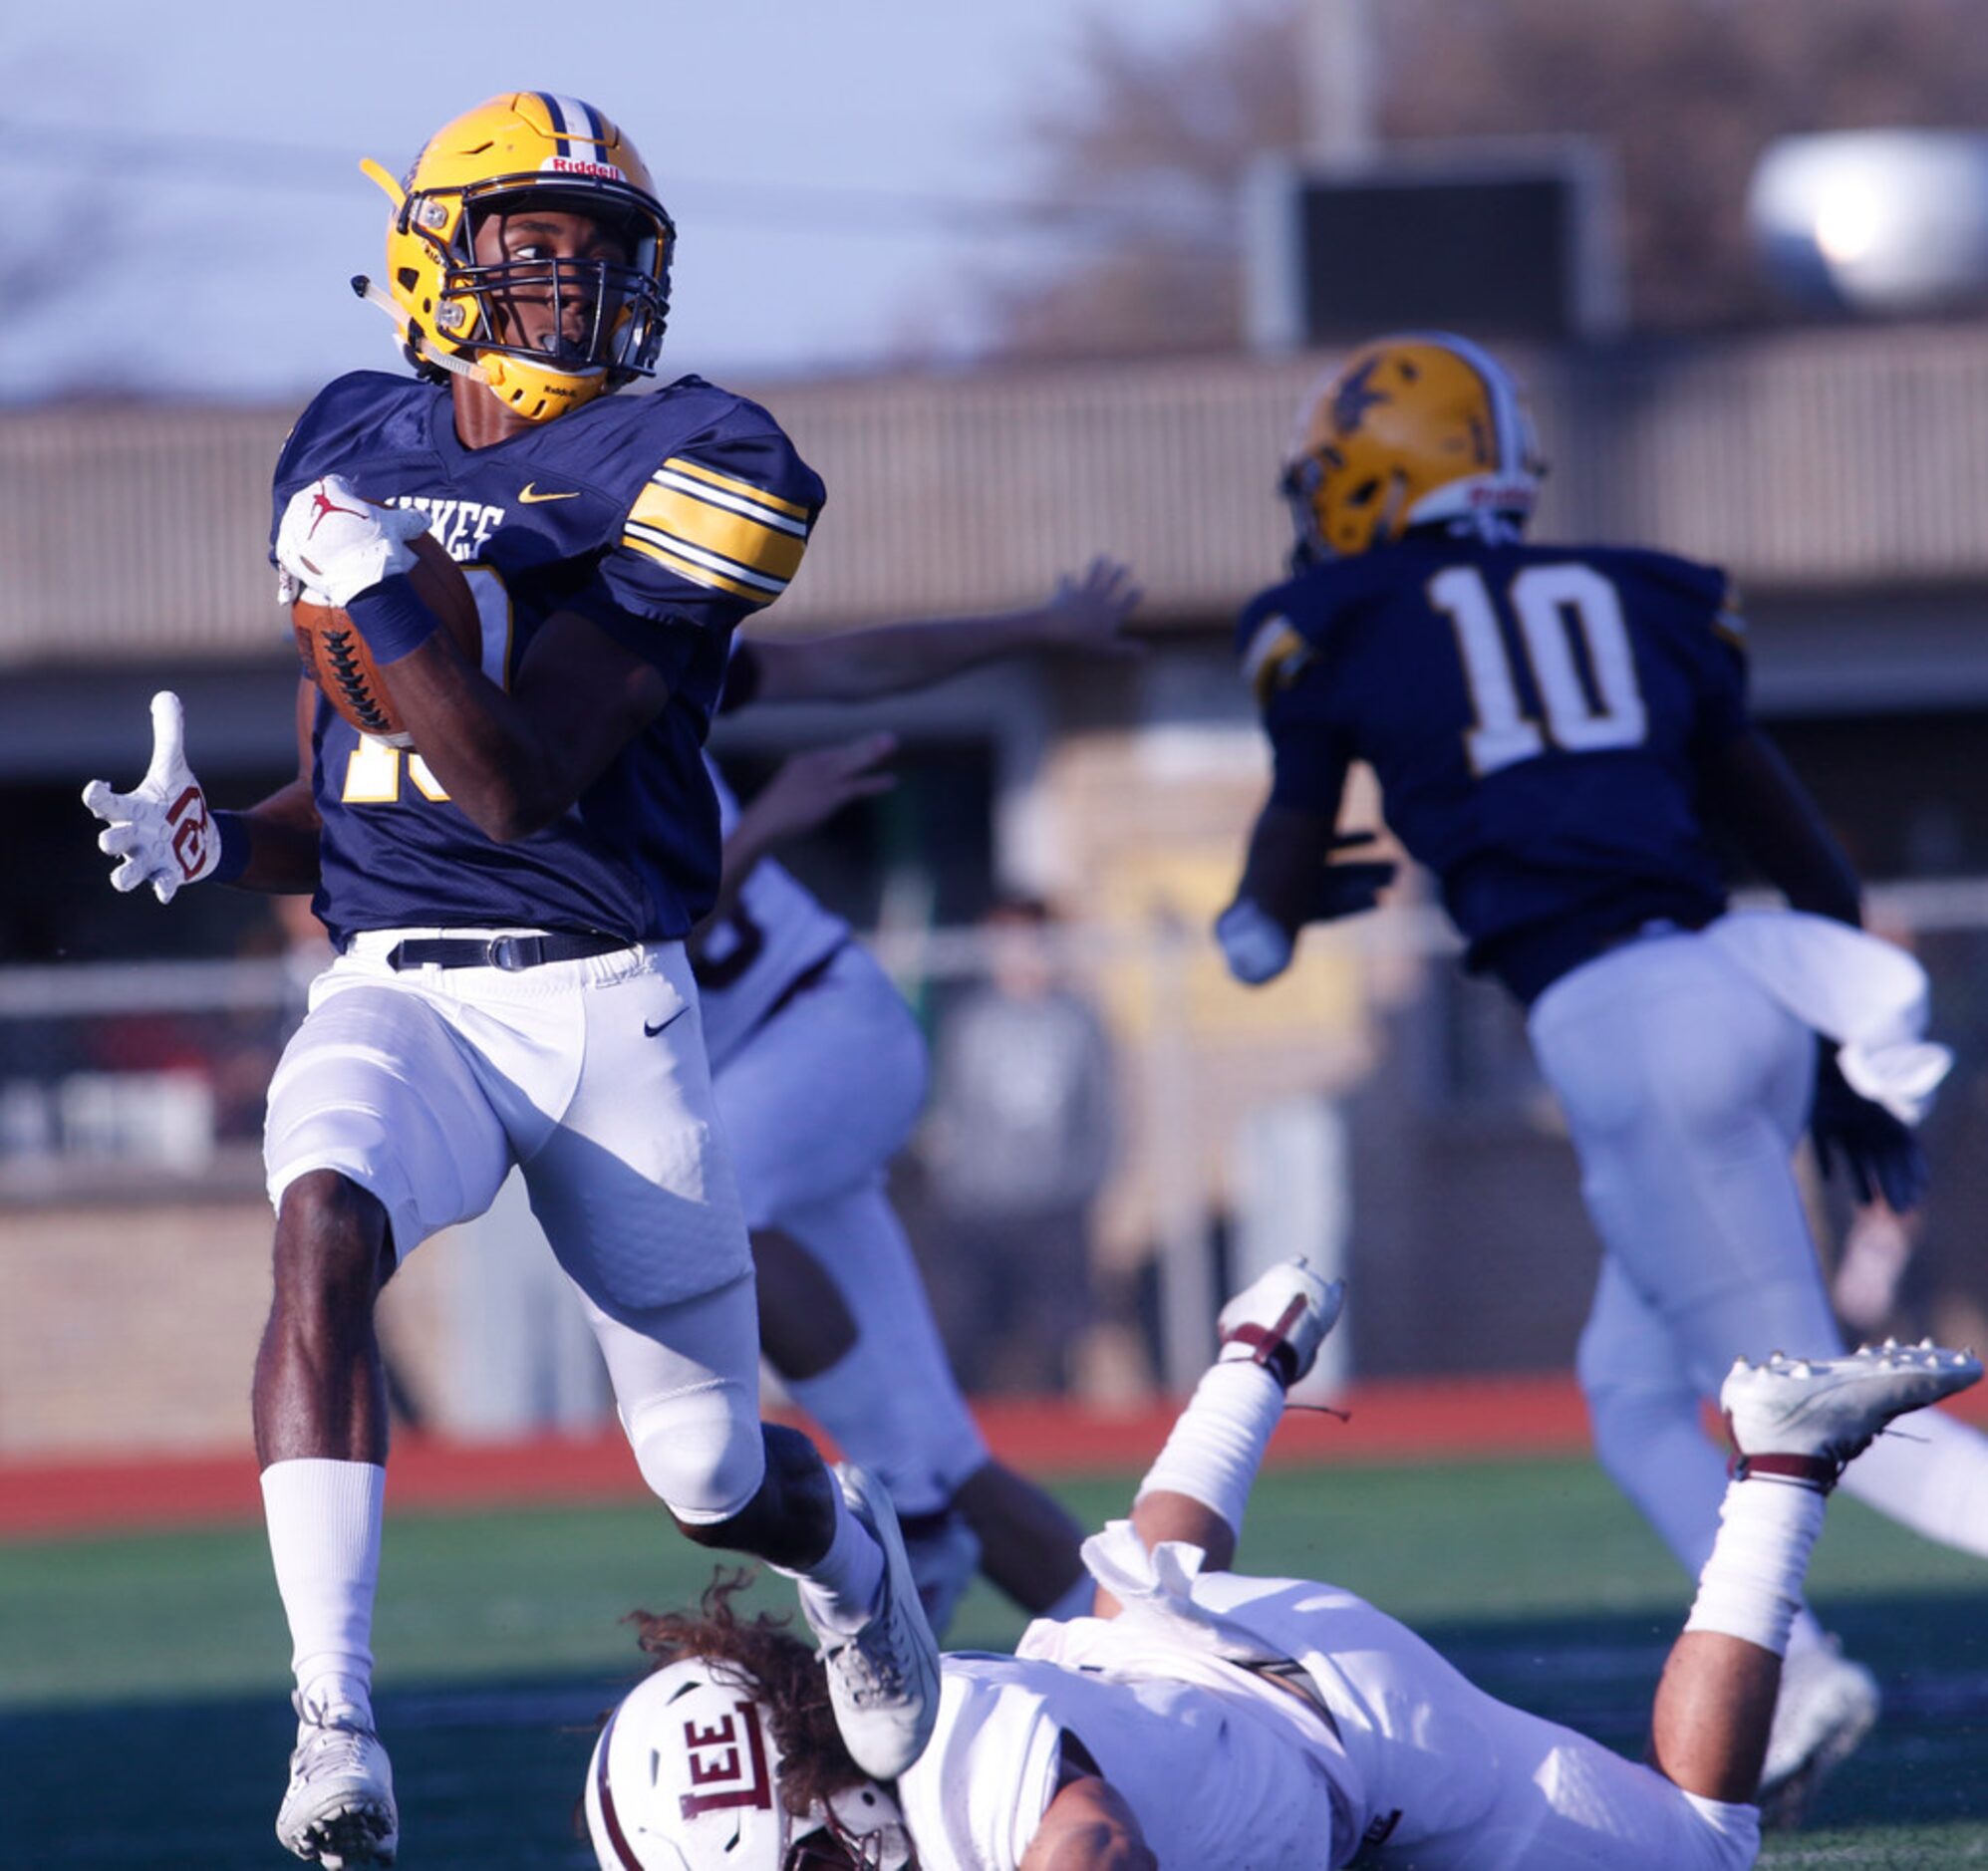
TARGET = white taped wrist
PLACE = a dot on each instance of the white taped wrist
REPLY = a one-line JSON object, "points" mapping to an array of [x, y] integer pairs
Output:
{"points": [[1751, 1587], [1218, 1441]]}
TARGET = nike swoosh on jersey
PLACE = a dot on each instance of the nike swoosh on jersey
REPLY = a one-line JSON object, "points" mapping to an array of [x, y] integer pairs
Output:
{"points": [[530, 495], [650, 1032]]}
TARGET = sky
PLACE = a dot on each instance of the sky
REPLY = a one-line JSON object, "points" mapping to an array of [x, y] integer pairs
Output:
{"points": [[187, 204]]}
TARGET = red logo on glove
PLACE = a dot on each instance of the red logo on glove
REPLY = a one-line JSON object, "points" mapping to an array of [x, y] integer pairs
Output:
{"points": [[322, 505], [188, 815]]}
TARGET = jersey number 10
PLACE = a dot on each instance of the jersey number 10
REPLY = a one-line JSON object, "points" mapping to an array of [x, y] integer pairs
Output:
{"points": [[1601, 706]]}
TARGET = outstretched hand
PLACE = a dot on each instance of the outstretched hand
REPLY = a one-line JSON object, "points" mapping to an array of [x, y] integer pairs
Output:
{"points": [[1091, 613], [811, 788], [162, 830]]}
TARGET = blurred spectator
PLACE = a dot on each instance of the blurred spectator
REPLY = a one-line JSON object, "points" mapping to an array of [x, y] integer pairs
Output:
{"points": [[1018, 1144]]}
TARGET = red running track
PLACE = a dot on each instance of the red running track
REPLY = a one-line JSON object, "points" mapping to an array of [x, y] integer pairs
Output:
{"points": [[1385, 1421]]}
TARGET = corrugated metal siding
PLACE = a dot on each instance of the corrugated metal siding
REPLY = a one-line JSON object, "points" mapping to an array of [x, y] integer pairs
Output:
{"points": [[1802, 461], [135, 529]]}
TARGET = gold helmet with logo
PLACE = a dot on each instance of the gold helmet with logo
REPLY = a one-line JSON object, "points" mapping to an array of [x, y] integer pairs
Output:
{"points": [[451, 308], [1414, 430]]}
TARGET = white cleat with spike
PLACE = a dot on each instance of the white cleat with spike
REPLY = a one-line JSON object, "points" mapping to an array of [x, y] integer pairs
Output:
{"points": [[1281, 1319], [883, 1679], [339, 1810], [1804, 1419], [1828, 1703]]}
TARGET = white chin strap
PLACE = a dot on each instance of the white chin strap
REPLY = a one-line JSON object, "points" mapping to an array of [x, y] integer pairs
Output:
{"points": [[378, 295]]}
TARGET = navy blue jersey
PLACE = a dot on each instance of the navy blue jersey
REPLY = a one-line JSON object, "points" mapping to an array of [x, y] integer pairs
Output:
{"points": [[664, 519], [1534, 716]]}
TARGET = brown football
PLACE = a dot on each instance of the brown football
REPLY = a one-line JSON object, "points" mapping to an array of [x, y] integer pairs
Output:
{"points": [[336, 657]]}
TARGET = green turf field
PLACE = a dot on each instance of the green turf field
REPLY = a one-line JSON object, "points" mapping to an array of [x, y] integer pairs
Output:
{"points": [[142, 1680]]}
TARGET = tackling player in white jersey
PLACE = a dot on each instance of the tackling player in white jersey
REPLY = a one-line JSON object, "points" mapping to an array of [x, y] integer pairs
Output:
{"points": [[820, 1072], [1203, 1717]]}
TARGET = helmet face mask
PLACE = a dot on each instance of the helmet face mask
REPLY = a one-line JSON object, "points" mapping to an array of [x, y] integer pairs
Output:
{"points": [[465, 301], [621, 303], [1419, 430]]}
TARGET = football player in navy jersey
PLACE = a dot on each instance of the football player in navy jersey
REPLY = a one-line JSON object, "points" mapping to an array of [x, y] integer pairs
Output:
{"points": [[510, 894], [1558, 733]]}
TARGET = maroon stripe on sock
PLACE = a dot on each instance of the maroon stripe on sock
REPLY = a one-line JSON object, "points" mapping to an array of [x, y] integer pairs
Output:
{"points": [[1814, 1472]]}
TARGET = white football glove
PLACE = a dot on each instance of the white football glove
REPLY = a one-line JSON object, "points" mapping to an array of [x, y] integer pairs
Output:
{"points": [[163, 831], [337, 545], [1279, 1320]]}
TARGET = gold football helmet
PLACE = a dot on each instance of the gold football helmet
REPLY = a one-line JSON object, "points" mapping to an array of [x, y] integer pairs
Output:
{"points": [[451, 308], [1411, 429]]}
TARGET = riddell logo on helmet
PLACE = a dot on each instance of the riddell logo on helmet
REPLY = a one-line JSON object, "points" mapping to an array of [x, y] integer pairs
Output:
{"points": [[572, 166], [1500, 495]]}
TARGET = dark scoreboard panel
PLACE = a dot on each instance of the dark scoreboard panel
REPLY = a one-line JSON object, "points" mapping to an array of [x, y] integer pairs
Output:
{"points": [[1499, 249]]}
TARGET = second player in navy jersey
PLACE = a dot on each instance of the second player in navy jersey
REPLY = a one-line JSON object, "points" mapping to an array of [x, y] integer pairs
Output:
{"points": [[1537, 722], [511, 896], [1560, 733]]}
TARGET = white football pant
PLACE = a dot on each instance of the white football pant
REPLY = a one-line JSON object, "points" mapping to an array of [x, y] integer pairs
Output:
{"points": [[1686, 1089], [815, 1102], [426, 1086]]}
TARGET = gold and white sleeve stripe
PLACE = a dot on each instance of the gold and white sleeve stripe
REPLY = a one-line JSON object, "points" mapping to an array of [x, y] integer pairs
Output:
{"points": [[1273, 659], [718, 531]]}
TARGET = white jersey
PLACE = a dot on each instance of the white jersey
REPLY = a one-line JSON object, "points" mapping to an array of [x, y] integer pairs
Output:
{"points": [[1173, 1701], [1221, 1766], [776, 933]]}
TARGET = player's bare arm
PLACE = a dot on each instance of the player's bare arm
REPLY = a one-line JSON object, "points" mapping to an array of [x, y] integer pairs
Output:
{"points": [[809, 790], [1088, 615], [514, 762], [1090, 1827], [1287, 848], [1258, 930], [512, 759], [1289, 881], [1751, 791], [283, 828]]}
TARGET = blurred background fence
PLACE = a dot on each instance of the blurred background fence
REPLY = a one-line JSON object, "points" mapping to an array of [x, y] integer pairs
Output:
{"points": [[1739, 255], [1375, 1110]]}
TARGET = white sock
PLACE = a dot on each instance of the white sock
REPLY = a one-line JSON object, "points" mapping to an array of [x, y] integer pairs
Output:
{"points": [[324, 1535], [1218, 1441], [842, 1587], [1751, 1586]]}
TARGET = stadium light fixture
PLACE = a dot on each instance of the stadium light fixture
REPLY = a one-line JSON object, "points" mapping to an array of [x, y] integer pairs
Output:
{"points": [[1878, 223]]}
